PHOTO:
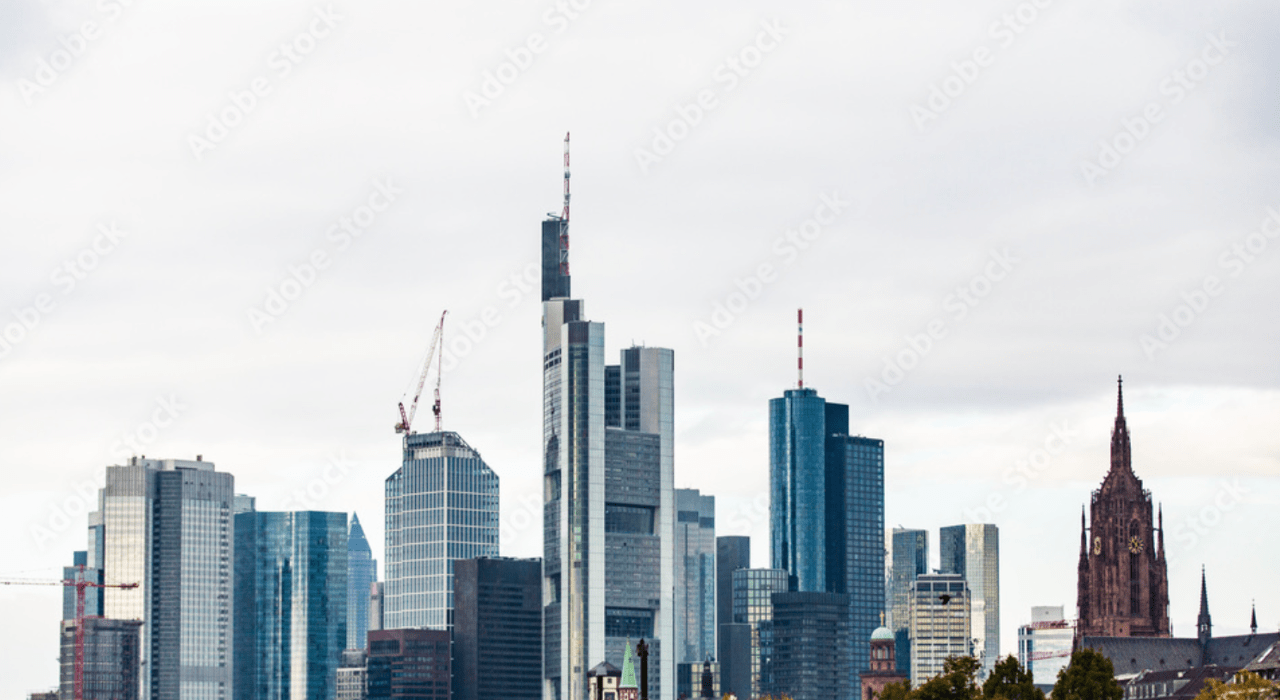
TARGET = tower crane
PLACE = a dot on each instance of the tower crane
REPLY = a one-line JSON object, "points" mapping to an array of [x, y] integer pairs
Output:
{"points": [[406, 417], [79, 583]]}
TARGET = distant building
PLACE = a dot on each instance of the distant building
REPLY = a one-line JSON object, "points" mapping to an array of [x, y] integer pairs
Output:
{"points": [[941, 624], [375, 608], [1044, 645], [353, 676], [1122, 587], [497, 629], [1175, 685], [112, 654], [733, 552], [698, 680], [753, 591], [695, 571], [910, 558], [442, 505], [362, 571], [973, 551], [81, 571], [409, 663], [882, 666], [167, 526], [811, 646], [290, 603], [51, 695]]}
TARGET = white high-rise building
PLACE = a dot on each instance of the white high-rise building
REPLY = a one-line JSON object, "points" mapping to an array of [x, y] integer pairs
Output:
{"points": [[1044, 645], [941, 624], [166, 524], [973, 551]]}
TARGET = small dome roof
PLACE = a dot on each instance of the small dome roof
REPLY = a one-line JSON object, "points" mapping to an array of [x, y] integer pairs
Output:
{"points": [[882, 634]]}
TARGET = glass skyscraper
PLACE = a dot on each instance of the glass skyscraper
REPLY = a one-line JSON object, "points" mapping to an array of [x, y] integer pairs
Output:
{"points": [[753, 591], [166, 524], [910, 559], [827, 510], [362, 571], [290, 604], [940, 623], [695, 598], [442, 505], [973, 551]]}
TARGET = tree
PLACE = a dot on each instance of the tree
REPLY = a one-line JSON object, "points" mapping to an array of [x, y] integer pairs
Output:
{"points": [[1089, 676], [896, 691], [1010, 681], [1245, 686], [956, 682]]}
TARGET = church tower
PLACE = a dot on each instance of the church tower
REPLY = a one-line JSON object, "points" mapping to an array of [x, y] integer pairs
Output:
{"points": [[1122, 585]]}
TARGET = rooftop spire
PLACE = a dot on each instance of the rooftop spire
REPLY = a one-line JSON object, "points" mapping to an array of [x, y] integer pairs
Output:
{"points": [[1084, 547], [1253, 619], [1203, 624], [628, 668], [1120, 456]]}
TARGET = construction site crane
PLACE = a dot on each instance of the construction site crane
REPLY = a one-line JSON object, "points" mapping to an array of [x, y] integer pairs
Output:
{"points": [[79, 583], [406, 417]]}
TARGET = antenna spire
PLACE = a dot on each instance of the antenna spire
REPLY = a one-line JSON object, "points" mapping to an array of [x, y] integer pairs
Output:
{"points": [[800, 347], [564, 215]]}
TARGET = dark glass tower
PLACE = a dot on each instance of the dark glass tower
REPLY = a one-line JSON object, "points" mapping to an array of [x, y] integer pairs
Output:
{"points": [[497, 631], [290, 603], [442, 505], [797, 483], [910, 559], [362, 571]]}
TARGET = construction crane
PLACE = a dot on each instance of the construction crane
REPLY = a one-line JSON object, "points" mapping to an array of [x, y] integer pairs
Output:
{"points": [[406, 417], [80, 584]]}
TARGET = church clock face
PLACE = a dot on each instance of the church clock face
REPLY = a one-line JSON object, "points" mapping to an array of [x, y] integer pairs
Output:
{"points": [[1135, 544], [1097, 546]]}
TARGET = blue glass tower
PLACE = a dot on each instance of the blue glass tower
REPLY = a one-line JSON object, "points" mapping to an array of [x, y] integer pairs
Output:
{"points": [[362, 571], [827, 510], [442, 505], [290, 604]]}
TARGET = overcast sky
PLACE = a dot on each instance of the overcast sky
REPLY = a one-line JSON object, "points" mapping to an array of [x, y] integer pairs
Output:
{"points": [[988, 211]]}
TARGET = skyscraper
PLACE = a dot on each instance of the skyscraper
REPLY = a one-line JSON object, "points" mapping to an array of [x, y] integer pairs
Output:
{"points": [[81, 571], [941, 623], [827, 510], [111, 659], [362, 571], [609, 501], [413, 664], [910, 559], [973, 551], [695, 598], [497, 631], [290, 604], [442, 505], [753, 591], [1122, 587], [811, 645], [733, 552], [1044, 645], [166, 525]]}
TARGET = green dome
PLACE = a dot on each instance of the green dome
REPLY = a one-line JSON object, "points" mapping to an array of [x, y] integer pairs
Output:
{"points": [[882, 634]]}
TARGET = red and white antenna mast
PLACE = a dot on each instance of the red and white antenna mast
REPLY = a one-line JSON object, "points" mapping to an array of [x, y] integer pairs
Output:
{"points": [[800, 346], [564, 216]]}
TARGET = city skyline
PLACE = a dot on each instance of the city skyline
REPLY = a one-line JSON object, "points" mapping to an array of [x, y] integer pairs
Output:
{"points": [[149, 258]]}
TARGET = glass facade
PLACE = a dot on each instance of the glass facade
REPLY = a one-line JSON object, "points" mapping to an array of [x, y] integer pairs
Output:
{"points": [[290, 604], [811, 646], [442, 505], [497, 638], [362, 571], [166, 524], [973, 551], [941, 626], [753, 591], [910, 559], [111, 659], [797, 484], [1044, 646], [695, 597]]}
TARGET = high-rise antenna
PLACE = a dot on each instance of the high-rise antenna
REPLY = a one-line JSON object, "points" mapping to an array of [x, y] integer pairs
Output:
{"points": [[800, 346], [564, 216]]}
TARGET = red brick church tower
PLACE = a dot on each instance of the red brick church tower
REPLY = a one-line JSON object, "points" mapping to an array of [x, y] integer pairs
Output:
{"points": [[1123, 586]]}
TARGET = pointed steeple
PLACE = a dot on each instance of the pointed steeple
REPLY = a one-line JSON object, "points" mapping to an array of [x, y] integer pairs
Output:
{"points": [[1120, 457], [1160, 532], [1084, 542], [1203, 624], [628, 669], [1253, 619]]}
